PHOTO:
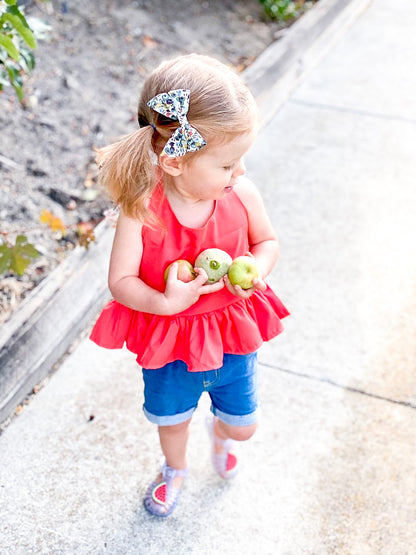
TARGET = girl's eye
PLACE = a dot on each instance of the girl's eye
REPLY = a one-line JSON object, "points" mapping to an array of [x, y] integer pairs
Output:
{"points": [[228, 168]]}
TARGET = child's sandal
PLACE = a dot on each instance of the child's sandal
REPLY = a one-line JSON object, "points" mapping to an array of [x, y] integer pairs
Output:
{"points": [[161, 497], [226, 463]]}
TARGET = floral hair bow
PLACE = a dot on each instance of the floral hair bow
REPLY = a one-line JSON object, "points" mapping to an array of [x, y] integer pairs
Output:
{"points": [[175, 104]]}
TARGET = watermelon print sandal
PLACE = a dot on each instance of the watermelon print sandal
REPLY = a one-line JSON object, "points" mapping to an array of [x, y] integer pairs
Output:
{"points": [[226, 463], [161, 496]]}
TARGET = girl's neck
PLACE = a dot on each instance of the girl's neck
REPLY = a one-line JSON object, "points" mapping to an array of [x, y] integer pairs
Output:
{"points": [[189, 212]]}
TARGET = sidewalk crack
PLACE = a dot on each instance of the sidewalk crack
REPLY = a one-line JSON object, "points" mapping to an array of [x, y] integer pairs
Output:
{"points": [[333, 383]]}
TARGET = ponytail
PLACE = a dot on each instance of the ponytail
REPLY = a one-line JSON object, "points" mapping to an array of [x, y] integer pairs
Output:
{"points": [[127, 171]]}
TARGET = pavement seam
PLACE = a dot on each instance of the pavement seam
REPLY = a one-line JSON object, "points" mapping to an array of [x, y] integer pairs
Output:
{"points": [[334, 108], [338, 385]]}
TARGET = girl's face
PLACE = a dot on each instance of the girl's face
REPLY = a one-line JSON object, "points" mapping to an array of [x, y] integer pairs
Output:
{"points": [[215, 170]]}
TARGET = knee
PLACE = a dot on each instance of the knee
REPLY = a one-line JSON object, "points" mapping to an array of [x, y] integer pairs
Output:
{"points": [[239, 433]]}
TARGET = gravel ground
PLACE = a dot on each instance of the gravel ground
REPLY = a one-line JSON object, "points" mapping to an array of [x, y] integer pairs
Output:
{"points": [[83, 94]]}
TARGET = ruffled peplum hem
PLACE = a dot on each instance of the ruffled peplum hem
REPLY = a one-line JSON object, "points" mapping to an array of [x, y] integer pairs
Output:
{"points": [[199, 341]]}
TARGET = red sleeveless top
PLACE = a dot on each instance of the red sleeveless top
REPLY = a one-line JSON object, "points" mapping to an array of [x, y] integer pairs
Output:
{"points": [[217, 323]]}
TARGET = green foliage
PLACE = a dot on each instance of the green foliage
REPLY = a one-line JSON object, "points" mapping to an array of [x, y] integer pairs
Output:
{"points": [[284, 10], [17, 257], [16, 42]]}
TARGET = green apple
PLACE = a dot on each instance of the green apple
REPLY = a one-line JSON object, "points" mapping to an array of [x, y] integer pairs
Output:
{"points": [[215, 262], [242, 272], [185, 271]]}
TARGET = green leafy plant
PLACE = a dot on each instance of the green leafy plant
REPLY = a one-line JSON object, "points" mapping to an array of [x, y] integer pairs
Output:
{"points": [[17, 257], [284, 10], [16, 44]]}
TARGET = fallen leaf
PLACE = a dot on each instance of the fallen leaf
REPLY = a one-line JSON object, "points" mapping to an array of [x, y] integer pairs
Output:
{"points": [[149, 42]]}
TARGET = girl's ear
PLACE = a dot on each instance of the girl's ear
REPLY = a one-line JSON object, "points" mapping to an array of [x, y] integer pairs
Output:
{"points": [[171, 166]]}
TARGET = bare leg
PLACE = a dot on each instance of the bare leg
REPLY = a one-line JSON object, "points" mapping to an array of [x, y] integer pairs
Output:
{"points": [[162, 494], [173, 440], [224, 455]]}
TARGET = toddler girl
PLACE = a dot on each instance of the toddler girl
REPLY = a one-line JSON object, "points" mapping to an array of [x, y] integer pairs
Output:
{"points": [[179, 184]]}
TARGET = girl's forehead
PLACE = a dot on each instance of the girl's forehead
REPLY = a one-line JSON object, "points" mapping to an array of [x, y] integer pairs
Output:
{"points": [[233, 148]]}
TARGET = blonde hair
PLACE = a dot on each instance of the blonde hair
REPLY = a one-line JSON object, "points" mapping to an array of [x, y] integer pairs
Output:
{"points": [[221, 107]]}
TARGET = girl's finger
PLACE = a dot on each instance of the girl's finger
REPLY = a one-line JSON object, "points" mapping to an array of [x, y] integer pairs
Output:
{"points": [[260, 284], [173, 273], [211, 288], [202, 276]]}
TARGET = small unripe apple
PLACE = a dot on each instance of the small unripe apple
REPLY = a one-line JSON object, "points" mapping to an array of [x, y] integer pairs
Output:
{"points": [[242, 272], [185, 271], [215, 262]]}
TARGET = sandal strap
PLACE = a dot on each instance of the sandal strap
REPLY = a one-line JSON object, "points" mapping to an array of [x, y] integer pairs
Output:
{"points": [[226, 443], [169, 473]]}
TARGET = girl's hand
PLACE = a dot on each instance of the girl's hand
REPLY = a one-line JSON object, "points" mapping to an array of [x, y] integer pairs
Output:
{"points": [[180, 296], [258, 283]]}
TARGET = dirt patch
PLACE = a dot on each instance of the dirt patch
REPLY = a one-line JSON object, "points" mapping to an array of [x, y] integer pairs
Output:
{"points": [[83, 94]]}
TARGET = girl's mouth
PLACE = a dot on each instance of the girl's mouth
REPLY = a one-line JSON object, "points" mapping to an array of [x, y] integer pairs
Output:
{"points": [[228, 189]]}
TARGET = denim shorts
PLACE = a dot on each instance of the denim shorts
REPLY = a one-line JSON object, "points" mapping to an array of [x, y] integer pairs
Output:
{"points": [[172, 393]]}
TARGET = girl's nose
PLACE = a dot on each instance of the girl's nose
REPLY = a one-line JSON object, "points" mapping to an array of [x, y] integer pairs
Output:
{"points": [[240, 168]]}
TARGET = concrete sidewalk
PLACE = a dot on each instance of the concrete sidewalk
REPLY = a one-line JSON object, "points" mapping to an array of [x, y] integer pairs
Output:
{"points": [[331, 469]]}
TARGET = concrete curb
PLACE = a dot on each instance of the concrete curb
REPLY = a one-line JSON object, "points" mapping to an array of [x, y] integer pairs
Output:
{"points": [[49, 320], [57, 311]]}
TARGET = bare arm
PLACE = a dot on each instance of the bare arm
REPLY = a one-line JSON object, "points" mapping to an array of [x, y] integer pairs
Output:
{"points": [[128, 289], [264, 244]]}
